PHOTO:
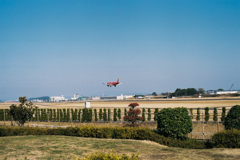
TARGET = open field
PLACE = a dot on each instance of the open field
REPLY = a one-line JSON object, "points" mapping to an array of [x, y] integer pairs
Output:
{"points": [[163, 103], [65, 147]]}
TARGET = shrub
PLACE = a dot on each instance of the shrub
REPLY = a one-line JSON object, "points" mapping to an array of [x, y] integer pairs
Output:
{"points": [[149, 114], [79, 115], [54, 115], [68, 115], [233, 118], [125, 113], [155, 114], [119, 114], [198, 114], [1, 115], [100, 155], [174, 122], [226, 139], [206, 114], [90, 114], [223, 114], [215, 115]]}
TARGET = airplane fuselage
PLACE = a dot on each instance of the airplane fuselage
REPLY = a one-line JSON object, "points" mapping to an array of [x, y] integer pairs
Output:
{"points": [[110, 84]]}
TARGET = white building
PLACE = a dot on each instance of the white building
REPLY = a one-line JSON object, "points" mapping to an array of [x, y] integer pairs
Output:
{"points": [[75, 97], [124, 96], [227, 92], [57, 98], [96, 98]]}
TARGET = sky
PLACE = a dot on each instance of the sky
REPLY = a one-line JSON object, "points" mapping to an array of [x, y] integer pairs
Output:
{"points": [[64, 47]]}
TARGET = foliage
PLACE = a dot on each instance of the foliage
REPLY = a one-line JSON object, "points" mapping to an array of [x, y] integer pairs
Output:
{"points": [[201, 91], [223, 114], [90, 115], [119, 114], [132, 116], [191, 113], [149, 114], [143, 115], [22, 112], [79, 115], [125, 113], [154, 94], [220, 89], [115, 115], [184, 92], [155, 114], [174, 123], [109, 115], [215, 114], [100, 114], [232, 119], [104, 114], [206, 114], [198, 114], [136, 133], [227, 139], [100, 155], [95, 114]]}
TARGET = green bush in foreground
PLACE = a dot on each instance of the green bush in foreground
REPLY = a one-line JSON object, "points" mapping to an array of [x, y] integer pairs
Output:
{"points": [[136, 133], [174, 123], [233, 118], [227, 139]]}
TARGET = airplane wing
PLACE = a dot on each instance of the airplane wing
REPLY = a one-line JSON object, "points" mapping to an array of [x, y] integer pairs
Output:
{"points": [[103, 83], [121, 83]]}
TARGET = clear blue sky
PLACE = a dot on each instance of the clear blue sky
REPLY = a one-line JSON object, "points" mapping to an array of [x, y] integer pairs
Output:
{"points": [[56, 47]]}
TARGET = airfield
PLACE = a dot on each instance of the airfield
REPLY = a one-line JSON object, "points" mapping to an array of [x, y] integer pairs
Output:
{"points": [[160, 103]]}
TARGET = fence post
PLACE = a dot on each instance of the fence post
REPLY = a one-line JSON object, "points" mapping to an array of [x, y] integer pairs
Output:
{"points": [[4, 116]]}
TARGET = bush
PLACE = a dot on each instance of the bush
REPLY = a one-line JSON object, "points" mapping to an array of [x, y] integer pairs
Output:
{"points": [[206, 114], [100, 114], [143, 114], [104, 114], [227, 139], [155, 114], [233, 118], [174, 122], [191, 113], [149, 114], [136, 133], [119, 114], [95, 114], [100, 155], [115, 115], [109, 115]]}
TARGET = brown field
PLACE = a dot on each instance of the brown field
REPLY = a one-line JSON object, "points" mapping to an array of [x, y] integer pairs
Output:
{"points": [[163, 103]]}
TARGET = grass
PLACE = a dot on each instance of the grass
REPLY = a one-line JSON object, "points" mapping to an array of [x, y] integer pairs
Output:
{"points": [[65, 147]]}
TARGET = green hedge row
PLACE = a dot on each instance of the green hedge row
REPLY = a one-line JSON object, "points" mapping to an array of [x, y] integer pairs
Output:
{"points": [[137, 133], [227, 139]]}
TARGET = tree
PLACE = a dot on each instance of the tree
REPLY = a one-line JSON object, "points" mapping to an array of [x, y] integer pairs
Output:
{"points": [[220, 89], [22, 112], [149, 114], [119, 114], [154, 94], [215, 114], [115, 114], [206, 114], [155, 114], [201, 91], [132, 116], [232, 119], [223, 114], [174, 122], [104, 114], [198, 114], [143, 114], [100, 114]]}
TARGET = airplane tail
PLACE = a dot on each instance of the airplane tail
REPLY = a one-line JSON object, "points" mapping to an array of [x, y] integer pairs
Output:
{"points": [[118, 80]]}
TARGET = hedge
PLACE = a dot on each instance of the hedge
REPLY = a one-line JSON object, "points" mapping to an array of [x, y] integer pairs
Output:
{"points": [[136, 133], [227, 139]]}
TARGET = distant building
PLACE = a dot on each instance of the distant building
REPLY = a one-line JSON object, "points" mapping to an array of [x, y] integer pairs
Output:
{"points": [[227, 92], [124, 96], [96, 98], [211, 92], [57, 98], [75, 97], [109, 97]]}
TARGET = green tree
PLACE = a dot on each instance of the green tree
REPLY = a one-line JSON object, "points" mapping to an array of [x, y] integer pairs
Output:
{"points": [[198, 114], [149, 114], [22, 112], [191, 113], [232, 120], [174, 122], [154, 94], [104, 114], [206, 114], [220, 89], [201, 91], [109, 115], [215, 114], [115, 114], [95, 114], [223, 114], [90, 114], [125, 113], [143, 115], [155, 114], [100, 114], [119, 114]]}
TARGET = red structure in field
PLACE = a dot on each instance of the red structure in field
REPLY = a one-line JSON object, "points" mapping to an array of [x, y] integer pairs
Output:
{"points": [[132, 115]]}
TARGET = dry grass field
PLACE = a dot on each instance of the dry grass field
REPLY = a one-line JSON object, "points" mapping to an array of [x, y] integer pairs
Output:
{"points": [[65, 147]]}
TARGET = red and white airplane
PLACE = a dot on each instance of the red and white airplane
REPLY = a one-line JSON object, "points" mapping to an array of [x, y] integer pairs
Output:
{"points": [[110, 84]]}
